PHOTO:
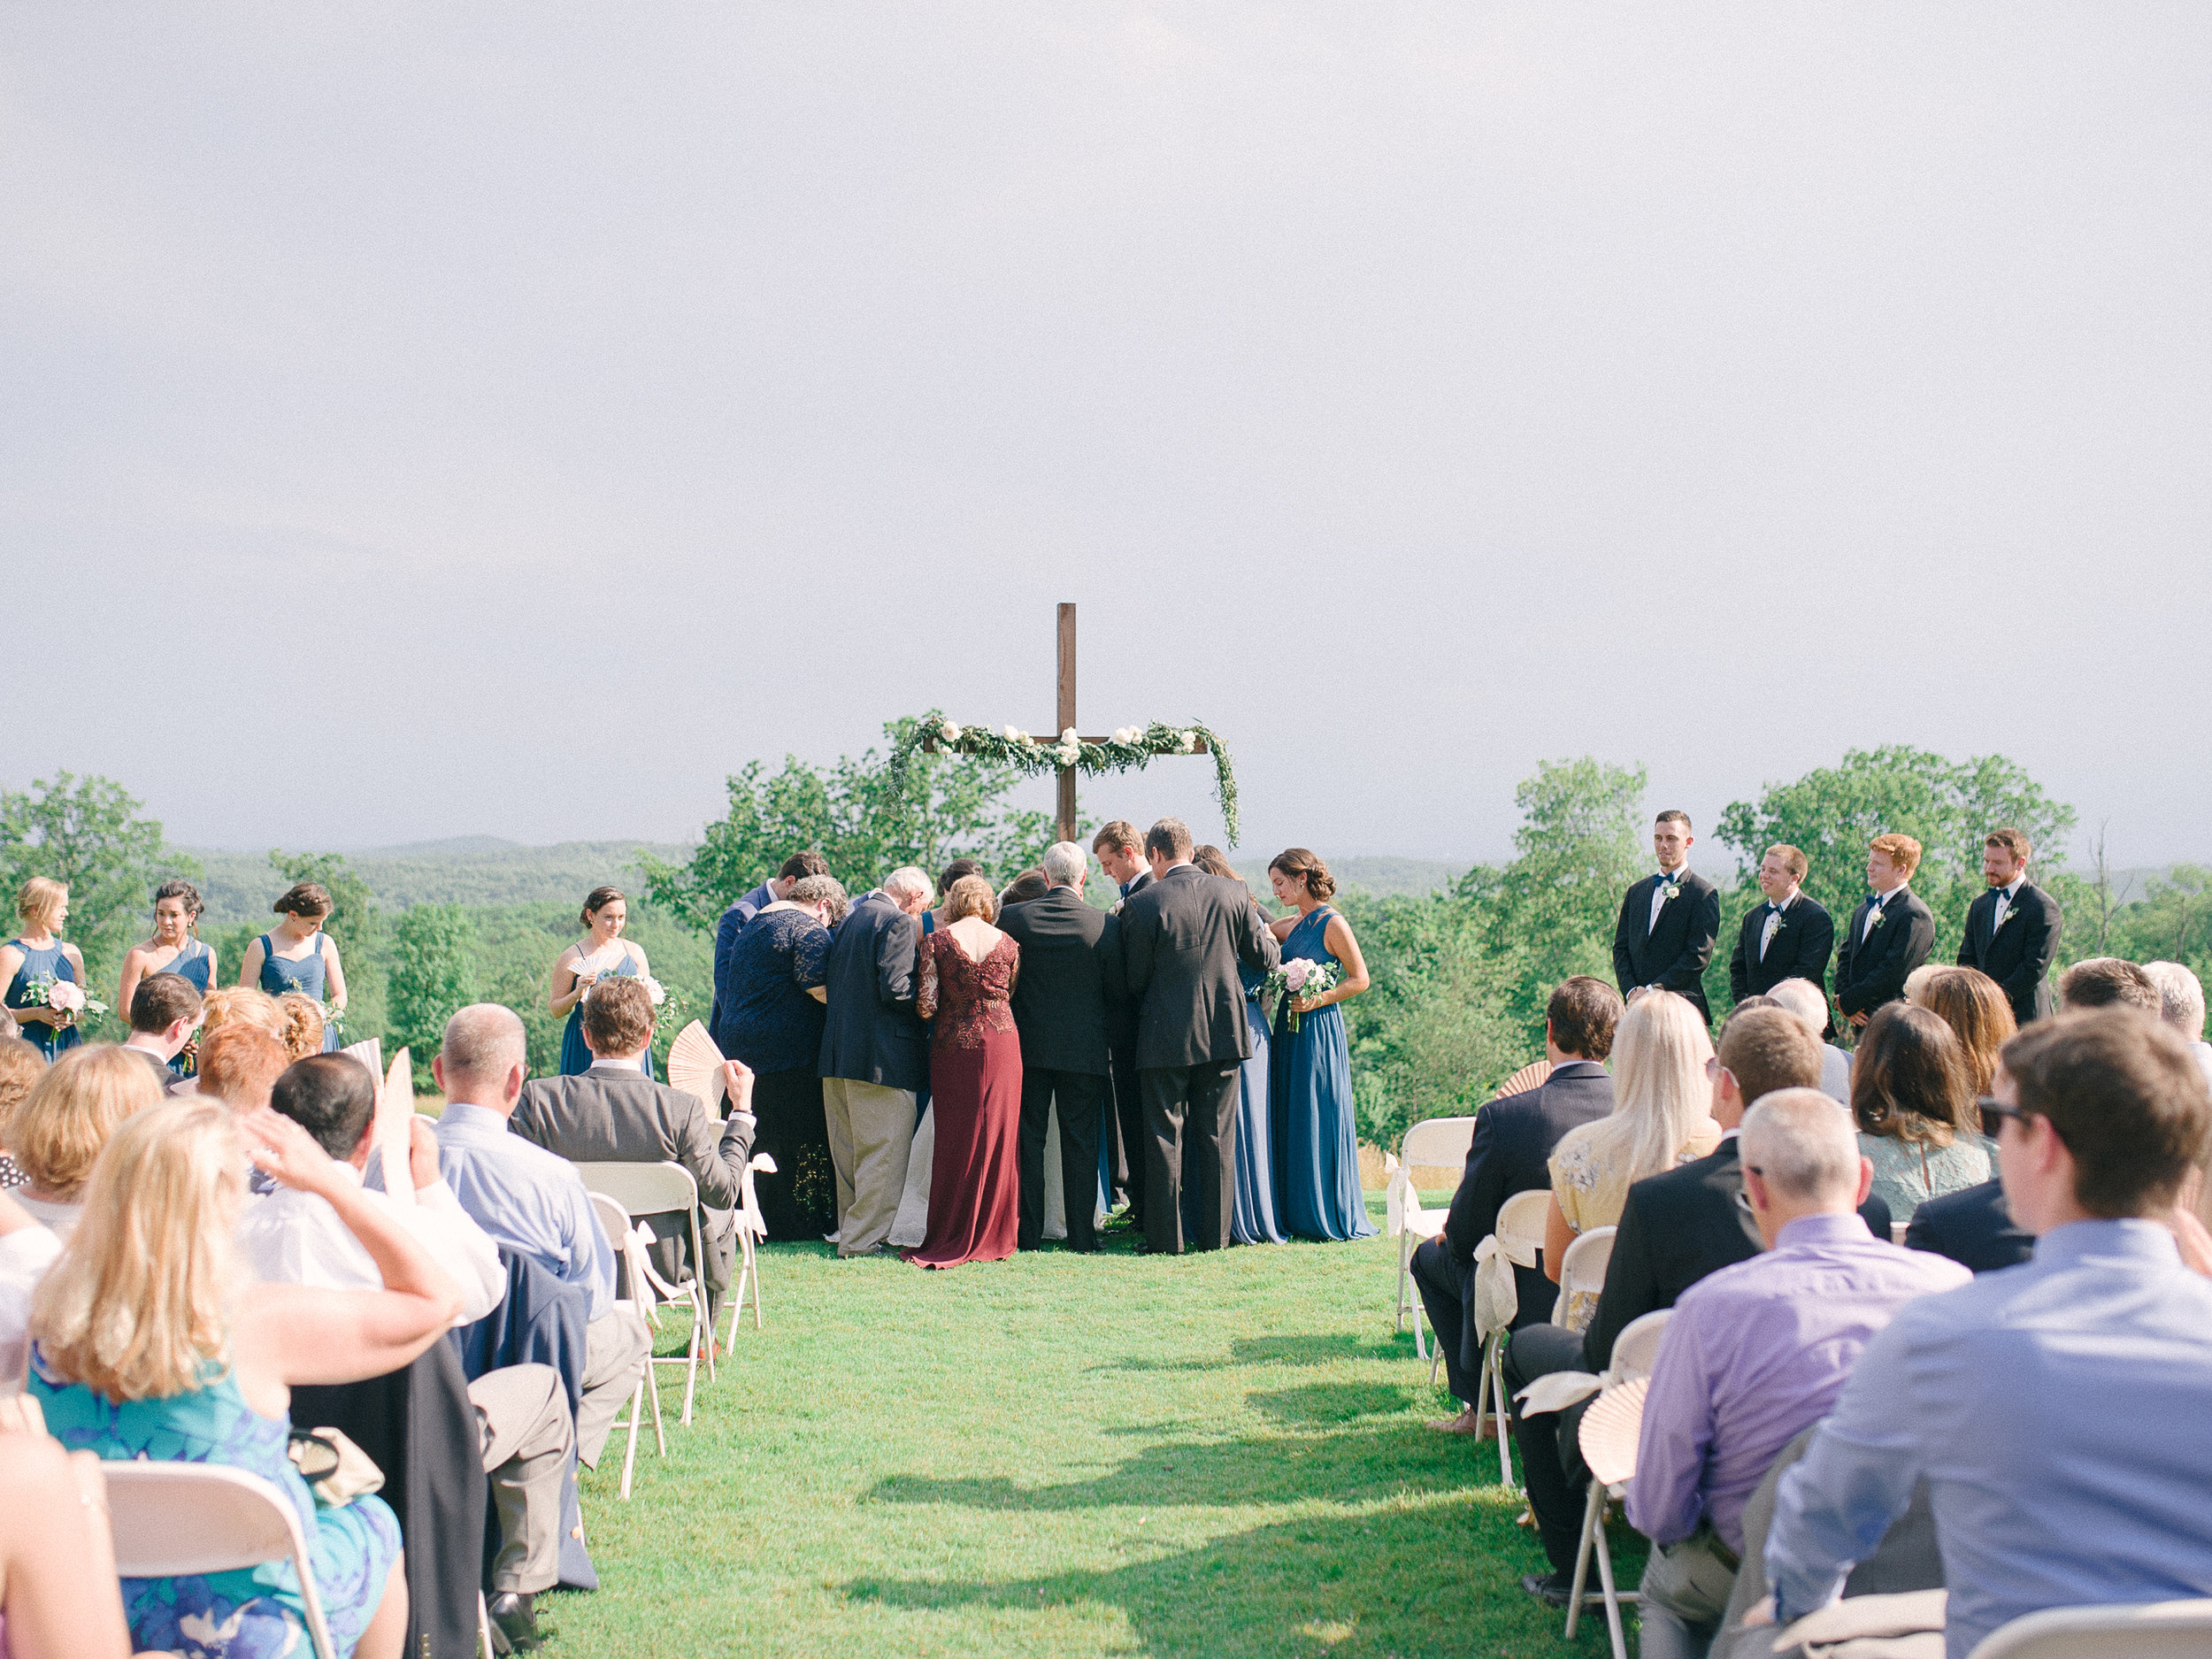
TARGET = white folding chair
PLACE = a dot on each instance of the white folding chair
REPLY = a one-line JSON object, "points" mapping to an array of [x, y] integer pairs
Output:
{"points": [[1436, 1141], [616, 1220], [1520, 1235], [186, 1518], [751, 1227], [2147, 1630], [1638, 1346], [655, 1190], [1610, 1449], [1582, 1269]]}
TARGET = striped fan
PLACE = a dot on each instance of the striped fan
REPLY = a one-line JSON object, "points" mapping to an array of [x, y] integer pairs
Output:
{"points": [[395, 1126], [369, 1053], [1524, 1080], [694, 1066], [1609, 1432]]}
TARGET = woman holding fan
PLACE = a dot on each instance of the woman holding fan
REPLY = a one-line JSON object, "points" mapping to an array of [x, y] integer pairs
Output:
{"points": [[602, 951]]}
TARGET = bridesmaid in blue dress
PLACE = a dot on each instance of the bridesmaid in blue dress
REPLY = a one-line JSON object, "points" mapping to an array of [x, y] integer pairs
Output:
{"points": [[1317, 1155], [296, 955], [175, 947], [603, 950], [42, 906]]}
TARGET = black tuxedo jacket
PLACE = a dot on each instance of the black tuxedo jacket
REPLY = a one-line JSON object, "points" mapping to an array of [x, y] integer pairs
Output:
{"points": [[1800, 950], [1675, 1229], [1071, 976], [1182, 938], [1972, 1227], [870, 1033], [1673, 954], [1872, 970], [2018, 955]]}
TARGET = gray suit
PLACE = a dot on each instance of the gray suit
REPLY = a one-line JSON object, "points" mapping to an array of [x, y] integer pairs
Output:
{"points": [[613, 1114]]}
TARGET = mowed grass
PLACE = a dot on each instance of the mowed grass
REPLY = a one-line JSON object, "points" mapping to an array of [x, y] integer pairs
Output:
{"points": [[1062, 1455]]}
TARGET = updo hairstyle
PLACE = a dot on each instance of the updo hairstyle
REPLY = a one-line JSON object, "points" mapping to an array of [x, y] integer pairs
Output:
{"points": [[1299, 863], [597, 900], [309, 901], [179, 888]]}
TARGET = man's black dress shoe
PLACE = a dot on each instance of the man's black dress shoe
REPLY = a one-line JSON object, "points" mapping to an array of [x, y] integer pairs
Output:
{"points": [[512, 1617], [1553, 1589]]}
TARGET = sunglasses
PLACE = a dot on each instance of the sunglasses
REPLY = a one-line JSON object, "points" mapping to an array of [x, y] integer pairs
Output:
{"points": [[1992, 1107]]}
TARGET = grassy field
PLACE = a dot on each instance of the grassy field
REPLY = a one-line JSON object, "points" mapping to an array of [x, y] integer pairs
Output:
{"points": [[1060, 1456]]}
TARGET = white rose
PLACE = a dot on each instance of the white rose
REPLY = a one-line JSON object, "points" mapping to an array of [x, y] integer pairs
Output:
{"points": [[1190, 742], [949, 732], [1068, 738], [1015, 734]]}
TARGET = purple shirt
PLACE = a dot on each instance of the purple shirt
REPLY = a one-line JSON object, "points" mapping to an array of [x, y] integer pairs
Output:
{"points": [[1756, 1354]]}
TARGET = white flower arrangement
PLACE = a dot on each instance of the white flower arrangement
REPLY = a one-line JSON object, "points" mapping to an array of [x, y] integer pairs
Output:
{"points": [[1669, 890], [64, 998], [1302, 977]]}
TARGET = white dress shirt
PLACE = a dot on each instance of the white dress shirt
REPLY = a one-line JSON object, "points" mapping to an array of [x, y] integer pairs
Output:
{"points": [[24, 1256], [2005, 897], [1659, 895], [1880, 908], [1774, 920], [294, 1238]]}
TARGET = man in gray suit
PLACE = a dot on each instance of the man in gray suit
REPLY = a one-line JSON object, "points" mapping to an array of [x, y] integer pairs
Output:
{"points": [[616, 1114], [874, 1057]]}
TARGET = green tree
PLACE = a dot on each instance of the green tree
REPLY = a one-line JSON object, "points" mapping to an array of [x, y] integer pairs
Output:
{"points": [[1579, 846], [433, 975], [356, 924]]}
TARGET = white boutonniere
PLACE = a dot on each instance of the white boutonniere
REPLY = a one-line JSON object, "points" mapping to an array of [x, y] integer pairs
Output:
{"points": [[2001, 920], [1781, 925], [1669, 890]]}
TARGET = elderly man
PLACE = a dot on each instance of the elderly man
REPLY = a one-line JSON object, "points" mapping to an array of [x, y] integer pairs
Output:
{"points": [[1756, 1354], [874, 1059], [2181, 1005], [1808, 1004]]}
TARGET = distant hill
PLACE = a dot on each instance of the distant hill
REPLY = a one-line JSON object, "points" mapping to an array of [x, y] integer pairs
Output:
{"points": [[465, 869], [1382, 875]]}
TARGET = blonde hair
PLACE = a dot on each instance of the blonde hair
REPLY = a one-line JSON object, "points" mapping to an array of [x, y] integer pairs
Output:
{"points": [[137, 1307], [1660, 1090], [244, 1004], [57, 1134], [301, 1029], [37, 900], [970, 896]]}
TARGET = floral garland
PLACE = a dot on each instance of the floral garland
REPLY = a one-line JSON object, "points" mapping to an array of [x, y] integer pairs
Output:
{"points": [[1130, 746]]}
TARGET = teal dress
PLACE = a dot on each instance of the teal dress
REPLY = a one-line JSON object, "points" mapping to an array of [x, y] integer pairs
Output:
{"points": [[575, 1057], [306, 976], [194, 961], [1317, 1155], [49, 1040], [255, 1612]]}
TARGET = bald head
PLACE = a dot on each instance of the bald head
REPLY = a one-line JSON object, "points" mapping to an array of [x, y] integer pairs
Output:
{"points": [[1804, 1147], [484, 1046]]}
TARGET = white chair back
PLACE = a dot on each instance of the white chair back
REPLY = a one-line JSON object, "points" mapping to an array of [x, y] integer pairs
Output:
{"points": [[1521, 1225], [1582, 1269], [614, 1221], [2150, 1629], [1438, 1142], [1638, 1345], [642, 1189], [179, 1519]]}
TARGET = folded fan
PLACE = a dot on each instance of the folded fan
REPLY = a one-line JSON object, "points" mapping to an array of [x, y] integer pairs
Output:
{"points": [[695, 1066]]}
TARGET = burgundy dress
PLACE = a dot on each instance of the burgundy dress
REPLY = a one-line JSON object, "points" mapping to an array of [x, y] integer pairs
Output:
{"points": [[975, 1089]]}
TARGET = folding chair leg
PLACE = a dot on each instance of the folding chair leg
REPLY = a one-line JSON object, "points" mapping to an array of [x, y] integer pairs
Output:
{"points": [[1402, 1296], [756, 1324], [653, 1383], [1605, 1577], [629, 1457], [691, 1370], [1501, 1408], [484, 1645], [1591, 1524]]}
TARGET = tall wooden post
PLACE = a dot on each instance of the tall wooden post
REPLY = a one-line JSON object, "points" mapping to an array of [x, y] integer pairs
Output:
{"points": [[1066, 719]]}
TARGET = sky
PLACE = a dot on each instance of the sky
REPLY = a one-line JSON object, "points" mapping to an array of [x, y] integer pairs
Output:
{"points": [[428, 421]]}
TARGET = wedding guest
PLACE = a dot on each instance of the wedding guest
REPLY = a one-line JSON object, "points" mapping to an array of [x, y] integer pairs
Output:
{"points": [[1891, 932], [616, 1114], [774, 1017], [968, 972], [58, 1591], [1973, 1006], [1120, 850], [1973, 1227], [1317, 1148], [1669, 922], [175, 946], [1659, 1119], [146, 1346], [2181, 1005], [71, 1113], [27, 1249], [911, 1225], [1806, 1000], [1252, 1218], [2012, 930], [1120, 847], [305, 1031], [163, 1010], [1511, 1153], [296, 955], [239, 1064], [1070, 972], [2055, 1410], [1755, 1354], [733, 920], [1183, 934], [1031, 884], [243, 1003], [2108, 982], [601, 953], [1912, 1098], [534, 1203], [38, 953], [953, 872], [1789, 937], [22, 1065], [874, 1057], [1917, 981]]}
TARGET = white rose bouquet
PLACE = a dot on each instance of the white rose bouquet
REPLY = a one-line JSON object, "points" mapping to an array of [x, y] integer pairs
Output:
{"points": [[64, 997], [1300, 977]]}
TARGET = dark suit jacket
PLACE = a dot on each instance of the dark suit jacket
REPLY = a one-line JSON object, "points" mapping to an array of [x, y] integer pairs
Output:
{"points": [[1182, 938], [870, 1034], [1675, 1229], [1870, 971], [1673, 954], [1071, 976], [2018, 955], [725, 932], [1801, 948], [1511, 1153], [1972, 1227]]}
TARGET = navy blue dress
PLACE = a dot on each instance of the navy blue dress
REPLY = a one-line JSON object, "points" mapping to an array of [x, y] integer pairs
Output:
{"points": [[305, 976], [194, 961], [1252, 1210], [575, 1057], [1317, 1155], [37, 965]]}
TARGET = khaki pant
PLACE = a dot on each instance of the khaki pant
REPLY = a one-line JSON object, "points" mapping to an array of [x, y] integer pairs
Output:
{"points": [[1685, 1593], [617, 1348], [522, 1417], [871, 1137]]}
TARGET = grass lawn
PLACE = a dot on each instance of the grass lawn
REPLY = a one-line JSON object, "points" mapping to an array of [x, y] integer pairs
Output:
{"points": [[1063, 1455]]}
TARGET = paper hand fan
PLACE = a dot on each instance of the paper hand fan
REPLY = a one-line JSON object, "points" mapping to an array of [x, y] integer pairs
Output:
{"points": [[395, 1126], [369, 1052], [1609, 1432], [694, 1066]]}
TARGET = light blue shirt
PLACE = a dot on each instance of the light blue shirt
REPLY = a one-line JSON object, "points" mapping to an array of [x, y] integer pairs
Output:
{"points": [[2058, 1411], [530, 1201]]}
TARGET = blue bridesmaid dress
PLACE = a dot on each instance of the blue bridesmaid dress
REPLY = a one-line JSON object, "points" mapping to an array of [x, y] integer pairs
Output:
{"points": [[1252, 1206], [194, 961], [36, 964], [1316, 1157], [575, 1057], [304, 976]]}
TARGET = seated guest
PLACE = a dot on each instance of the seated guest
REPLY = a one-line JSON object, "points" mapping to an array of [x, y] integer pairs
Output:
{"points": [[145, 1346], [1755, 1354], [616, 1113], [163, 1010], [2057, 1410], [733, 920], [1973, 1005], [21, 1064], [58, 1592], [26, 1250], [2108, 981], [1511, 1153], [2181, 1005], [1916, 982], [58, 1131], [304, 1026], [1973, 1227], [228, 1004], [1661, 1094], [1809, 1003], [874, 1057], [239, 1064], [1913, 1101], [534, 1203]]}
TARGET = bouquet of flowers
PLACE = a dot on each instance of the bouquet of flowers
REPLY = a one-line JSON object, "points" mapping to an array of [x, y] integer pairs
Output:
{"points": [[1299, 977], [654, 989], [332, 1018], [64, 998]]}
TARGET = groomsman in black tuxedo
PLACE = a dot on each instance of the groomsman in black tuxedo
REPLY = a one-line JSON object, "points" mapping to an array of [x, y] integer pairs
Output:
{"points": [[1669, 922], [1120, 847], [1789, 937], [1891, 932], [2012, 930]]}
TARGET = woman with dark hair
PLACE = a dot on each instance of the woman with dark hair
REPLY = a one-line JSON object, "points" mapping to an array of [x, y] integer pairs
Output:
{"points": [[1913, 1095], [773, 1015], [602, 951], [175, 947], [1031, 884], [296, 955], [1318, 1192], [1252, 1214]]}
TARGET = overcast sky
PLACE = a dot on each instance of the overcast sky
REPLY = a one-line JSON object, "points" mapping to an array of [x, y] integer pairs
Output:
{"points": [[511, 419]]}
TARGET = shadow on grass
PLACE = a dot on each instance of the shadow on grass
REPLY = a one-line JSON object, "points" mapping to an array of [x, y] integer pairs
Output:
{"points": [[1321, 1348]]}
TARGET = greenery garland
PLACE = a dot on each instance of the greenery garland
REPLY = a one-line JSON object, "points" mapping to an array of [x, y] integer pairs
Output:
{"points": [[1131, 746]]}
